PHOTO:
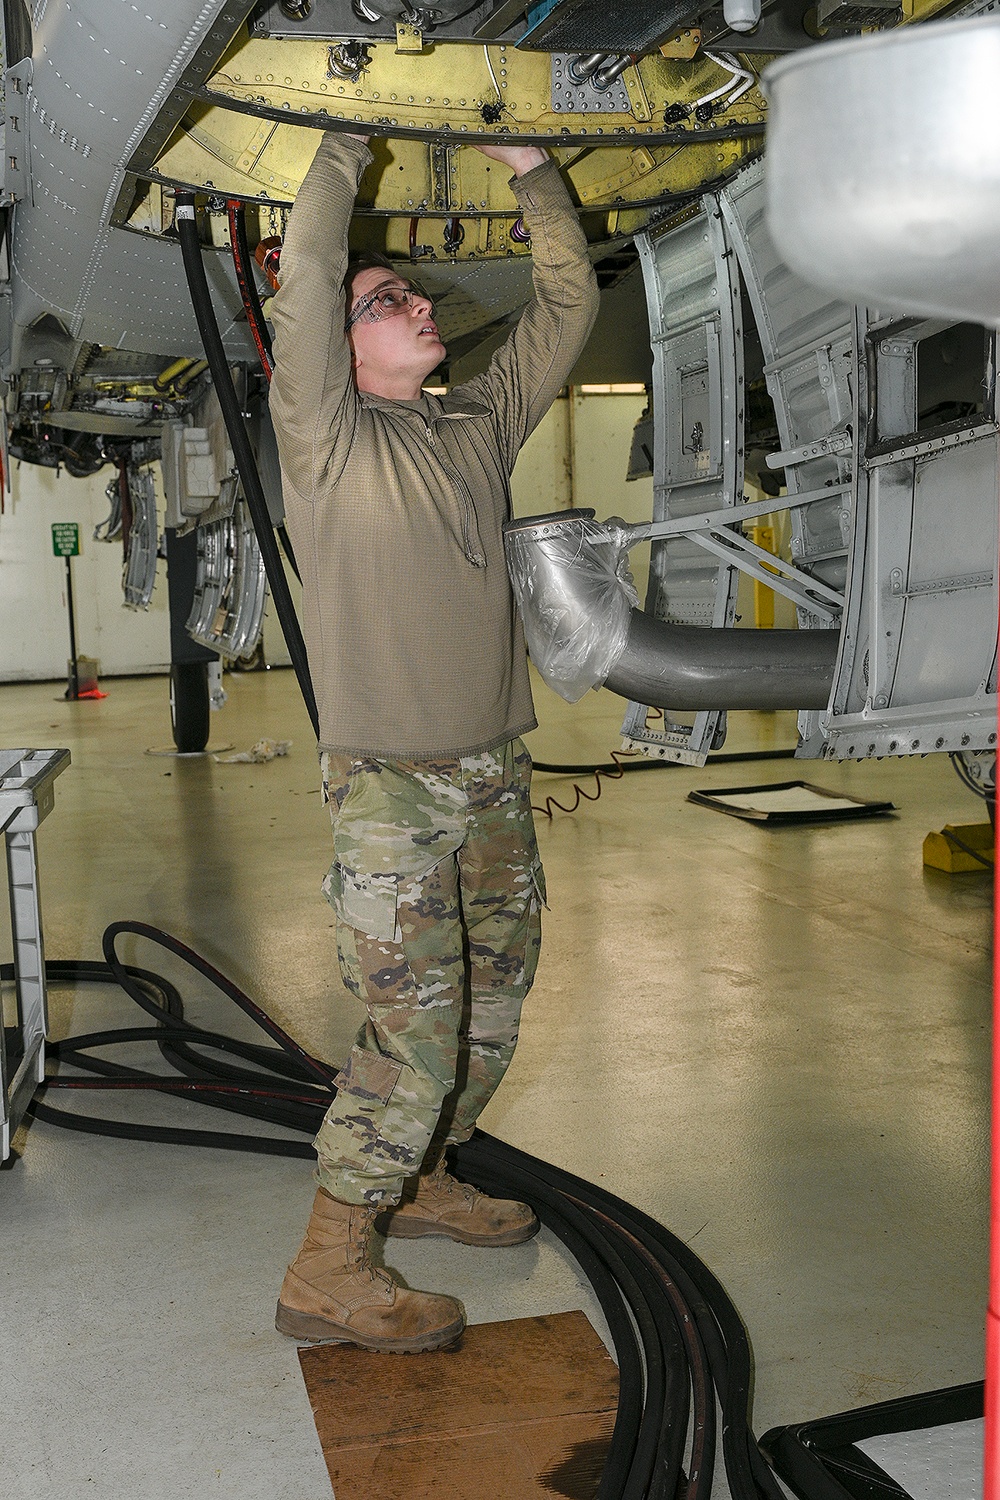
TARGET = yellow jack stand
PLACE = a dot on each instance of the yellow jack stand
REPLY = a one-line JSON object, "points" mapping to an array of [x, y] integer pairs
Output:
{"points": [[944, 850]]}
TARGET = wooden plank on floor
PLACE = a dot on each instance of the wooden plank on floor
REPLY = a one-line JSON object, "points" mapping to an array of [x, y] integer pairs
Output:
{"points": [[523, 1409]]}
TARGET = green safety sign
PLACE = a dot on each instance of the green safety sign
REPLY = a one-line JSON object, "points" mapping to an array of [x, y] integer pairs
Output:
{"points": [[65, 539]]}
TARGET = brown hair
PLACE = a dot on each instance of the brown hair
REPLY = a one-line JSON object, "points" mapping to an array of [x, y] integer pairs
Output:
{"points": [[368, 260]]}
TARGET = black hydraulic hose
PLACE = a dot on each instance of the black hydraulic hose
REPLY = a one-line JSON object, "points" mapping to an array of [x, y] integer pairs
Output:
{"points": [[660, 1245], [597, 1262], [208, 327], [673, 1400], [248, 1091], [666, 1412], [701, 1466], [222, 982], [657, 1467], [665, 1417], [171, 1135], [726, 1341], [313, 1079], [161, 999]]}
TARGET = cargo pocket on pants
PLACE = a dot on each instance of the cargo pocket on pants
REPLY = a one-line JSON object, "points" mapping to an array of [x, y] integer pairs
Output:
{"points": [[366, 902], [369, 1076]]}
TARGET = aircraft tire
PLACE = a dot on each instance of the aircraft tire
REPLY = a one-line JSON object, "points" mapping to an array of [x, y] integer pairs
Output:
{"points": [[189, 708]]}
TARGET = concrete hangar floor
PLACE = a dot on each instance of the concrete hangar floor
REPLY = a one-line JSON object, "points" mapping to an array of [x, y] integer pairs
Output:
{"points": [[775, 1042]]}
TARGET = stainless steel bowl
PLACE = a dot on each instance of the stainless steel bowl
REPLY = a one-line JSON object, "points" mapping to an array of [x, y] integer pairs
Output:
{"points": [[883, 168]]}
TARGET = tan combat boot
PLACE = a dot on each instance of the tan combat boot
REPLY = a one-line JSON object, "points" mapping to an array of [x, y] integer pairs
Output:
{"points": [[434, 1202], [331, 1291]]}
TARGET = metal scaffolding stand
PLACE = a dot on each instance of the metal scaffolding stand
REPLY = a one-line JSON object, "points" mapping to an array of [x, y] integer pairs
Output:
{"points": [[27, 796]]}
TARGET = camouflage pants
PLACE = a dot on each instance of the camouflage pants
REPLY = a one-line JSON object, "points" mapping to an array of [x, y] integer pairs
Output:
{"points": [[437, 888]]}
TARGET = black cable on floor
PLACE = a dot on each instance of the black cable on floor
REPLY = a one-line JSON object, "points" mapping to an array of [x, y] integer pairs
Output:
{"points": [[616, 769], [725, 1336], [678, 1339]]}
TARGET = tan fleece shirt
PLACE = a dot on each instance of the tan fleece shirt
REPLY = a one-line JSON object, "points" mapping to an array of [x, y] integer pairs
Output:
{"points": [[396, 508]]}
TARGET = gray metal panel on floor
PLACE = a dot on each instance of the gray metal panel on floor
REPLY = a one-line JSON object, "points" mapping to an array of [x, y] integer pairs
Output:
{"points": [[934, 1463]]}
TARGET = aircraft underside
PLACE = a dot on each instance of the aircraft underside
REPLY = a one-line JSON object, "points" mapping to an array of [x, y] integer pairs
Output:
{"points": [[877, 432]]}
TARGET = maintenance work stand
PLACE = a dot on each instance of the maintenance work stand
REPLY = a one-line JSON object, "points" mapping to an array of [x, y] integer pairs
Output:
{"points": [[27, 796]]}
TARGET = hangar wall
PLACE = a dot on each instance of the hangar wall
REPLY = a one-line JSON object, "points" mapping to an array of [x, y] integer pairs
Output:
{"points": [[34, 633]]}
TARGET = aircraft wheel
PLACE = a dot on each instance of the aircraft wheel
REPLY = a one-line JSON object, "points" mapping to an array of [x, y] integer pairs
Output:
{"points": [[189, 709]]}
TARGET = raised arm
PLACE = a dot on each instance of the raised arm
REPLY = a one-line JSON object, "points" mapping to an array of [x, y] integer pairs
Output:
{"points": [[528, 371], [313, 400]]}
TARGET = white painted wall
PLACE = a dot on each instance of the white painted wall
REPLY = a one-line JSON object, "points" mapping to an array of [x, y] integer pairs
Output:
{"points": [[34, 628], [34, 634], [601, 441], [602, 427]]}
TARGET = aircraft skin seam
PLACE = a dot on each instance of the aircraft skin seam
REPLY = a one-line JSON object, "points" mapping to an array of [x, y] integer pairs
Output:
{"points": [[195, 35], [45, 303]]}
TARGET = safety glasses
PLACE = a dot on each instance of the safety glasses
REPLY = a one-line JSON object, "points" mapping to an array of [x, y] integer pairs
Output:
{"points": [[387, 302]]}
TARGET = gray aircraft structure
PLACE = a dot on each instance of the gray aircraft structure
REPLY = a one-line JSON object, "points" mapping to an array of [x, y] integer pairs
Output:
{"points": [[877, 431]]}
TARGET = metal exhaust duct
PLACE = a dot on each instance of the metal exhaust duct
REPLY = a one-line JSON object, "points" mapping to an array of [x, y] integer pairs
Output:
{"points": [[585, 630]]}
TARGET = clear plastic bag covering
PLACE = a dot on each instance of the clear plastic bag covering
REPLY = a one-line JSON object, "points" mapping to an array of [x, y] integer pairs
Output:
{"points": [[576, 595]]}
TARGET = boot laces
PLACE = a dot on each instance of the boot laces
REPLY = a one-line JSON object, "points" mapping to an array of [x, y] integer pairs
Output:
{"points": [[359, 1248], [441, 1180]]}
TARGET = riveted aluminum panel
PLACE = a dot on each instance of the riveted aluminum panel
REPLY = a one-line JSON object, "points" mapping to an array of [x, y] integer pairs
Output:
{"points": [[100, 76], [910, 528], [695, 321], [918, 657], [808, 343]]}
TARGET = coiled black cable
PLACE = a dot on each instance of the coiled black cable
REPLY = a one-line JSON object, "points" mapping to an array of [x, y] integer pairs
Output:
{"points": [[679, 1341]]}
